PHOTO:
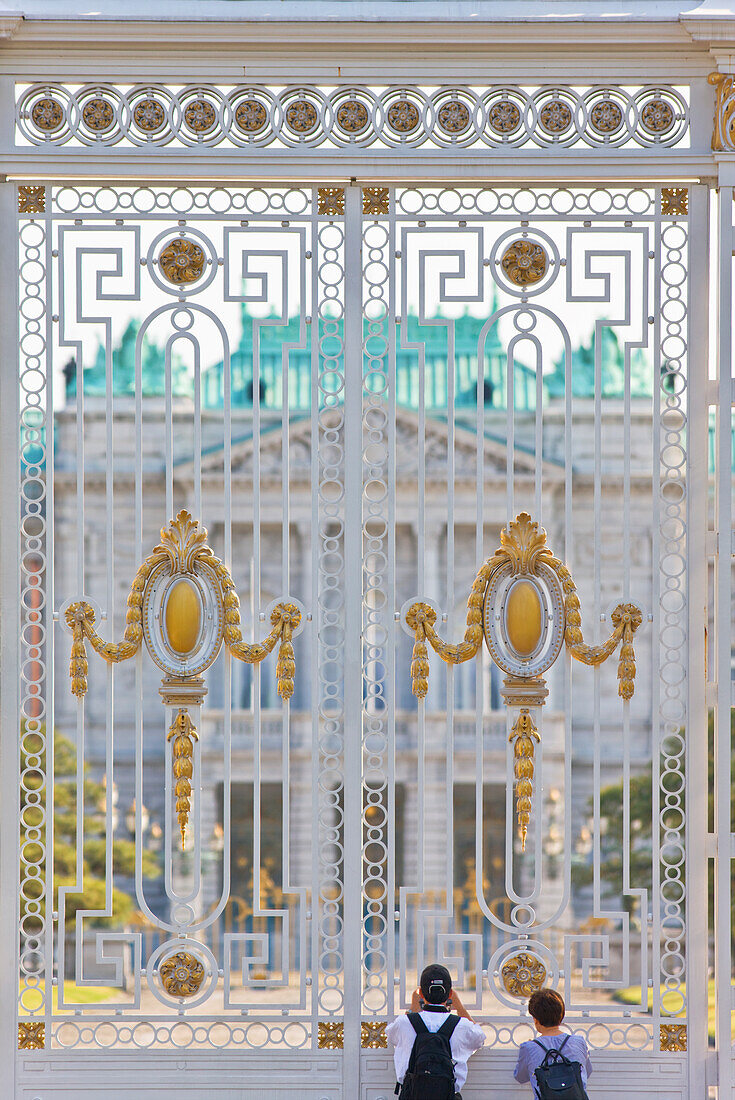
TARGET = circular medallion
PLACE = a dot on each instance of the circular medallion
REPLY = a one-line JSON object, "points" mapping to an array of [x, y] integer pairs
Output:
{"points": [[524, 262], [403, 116], [505, 116], [606, 116], [352, 116], [657, 116], [149, 115], [200, 116], [555, 116], [251, 116], [453, 116], [301, 116], [182, 261], [181, 974], [98, 114], [523, 974], [47, 114]]}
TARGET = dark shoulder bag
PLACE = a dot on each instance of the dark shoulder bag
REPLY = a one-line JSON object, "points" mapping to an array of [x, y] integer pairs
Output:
{"points": [[558, 1078]]}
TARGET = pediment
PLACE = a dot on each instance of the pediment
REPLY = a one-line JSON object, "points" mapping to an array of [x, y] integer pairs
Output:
{"points": [[407, 452]]}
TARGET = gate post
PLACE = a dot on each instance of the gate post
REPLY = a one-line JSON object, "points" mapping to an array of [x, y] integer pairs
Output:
{"points": [[9, 635], [721, 699]]}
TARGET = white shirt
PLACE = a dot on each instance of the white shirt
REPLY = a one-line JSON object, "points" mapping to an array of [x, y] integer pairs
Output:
{"points": [[466, 1039]]}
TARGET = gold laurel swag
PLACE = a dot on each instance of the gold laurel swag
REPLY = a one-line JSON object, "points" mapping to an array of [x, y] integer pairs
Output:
{"points": [[524, 734], [80, 619], [524, 546], [183, 544], [183, 734], [626, 618]]}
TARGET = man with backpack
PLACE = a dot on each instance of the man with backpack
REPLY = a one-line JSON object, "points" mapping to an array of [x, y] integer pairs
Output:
{"points": [[432, 1045], [556, 1063]]}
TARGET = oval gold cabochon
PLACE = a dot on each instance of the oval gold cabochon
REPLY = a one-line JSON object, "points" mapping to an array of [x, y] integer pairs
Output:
{"points": [[183, 617], [523, 617]]}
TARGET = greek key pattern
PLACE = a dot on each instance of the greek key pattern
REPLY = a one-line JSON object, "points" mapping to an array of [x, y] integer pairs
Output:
{"points": [[334, 118]]}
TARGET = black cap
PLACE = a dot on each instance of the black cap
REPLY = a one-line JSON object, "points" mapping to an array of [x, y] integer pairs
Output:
{"points": [[435, 984]]}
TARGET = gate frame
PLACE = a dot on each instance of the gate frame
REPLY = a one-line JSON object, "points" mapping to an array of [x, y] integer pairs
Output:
{"points": [[682, 51]]}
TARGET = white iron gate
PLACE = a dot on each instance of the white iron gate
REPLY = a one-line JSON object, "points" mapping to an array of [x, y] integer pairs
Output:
{"points": [[249, 815]]}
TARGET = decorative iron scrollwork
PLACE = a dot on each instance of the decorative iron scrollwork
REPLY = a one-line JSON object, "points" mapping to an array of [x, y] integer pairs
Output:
{"points": [[183, 604], [524, 603]]}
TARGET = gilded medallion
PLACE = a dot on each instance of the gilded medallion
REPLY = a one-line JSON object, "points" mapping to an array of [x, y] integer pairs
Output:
{"points": [[98, 114], [47, 114], [403, 116], [453, 116], [251, 116], [352, 116], [200, 116], [606, 116], [657, 116], [555, 116], [523, 974], [181, 974], [301, 116], [149, 115], [182, 261], [524, 262], [505, 116]]}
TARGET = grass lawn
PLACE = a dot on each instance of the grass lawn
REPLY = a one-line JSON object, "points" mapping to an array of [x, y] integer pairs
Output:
{"points": [[82, 995], [632, 996]]}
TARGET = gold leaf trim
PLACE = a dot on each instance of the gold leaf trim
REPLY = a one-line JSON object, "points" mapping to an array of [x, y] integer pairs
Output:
{"points": [[523, 974], [523, 546], [183, 734], [524, 734], [183, 544], [31, 1036], [372, 1035], [674, 200], [331, 1036], [673, 1037], [375, 200], [181, 974], [331, 200], [723, 131], [31, 199]]}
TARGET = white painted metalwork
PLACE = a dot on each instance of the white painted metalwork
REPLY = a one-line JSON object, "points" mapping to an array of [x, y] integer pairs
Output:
{"points": [[353, 393], [301, 117]]}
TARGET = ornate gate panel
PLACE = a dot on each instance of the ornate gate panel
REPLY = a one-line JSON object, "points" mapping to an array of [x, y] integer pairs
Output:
{"points": [[354, 390]]}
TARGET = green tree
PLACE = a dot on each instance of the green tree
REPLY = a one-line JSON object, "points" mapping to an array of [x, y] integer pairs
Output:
{"points": [[65, 837], [641, 831]]}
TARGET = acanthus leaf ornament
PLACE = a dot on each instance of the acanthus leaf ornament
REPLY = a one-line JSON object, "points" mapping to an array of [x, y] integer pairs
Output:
{"points": [[723, 132], [523, 579], [183, 604]]}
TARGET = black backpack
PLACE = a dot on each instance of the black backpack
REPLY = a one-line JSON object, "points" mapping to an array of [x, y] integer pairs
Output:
{"points": [[557, 1078], [430, 1073]]}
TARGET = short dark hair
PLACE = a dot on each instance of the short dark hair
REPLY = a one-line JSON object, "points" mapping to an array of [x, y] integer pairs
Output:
{"points": [[547, 1007], [435, 984]]}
